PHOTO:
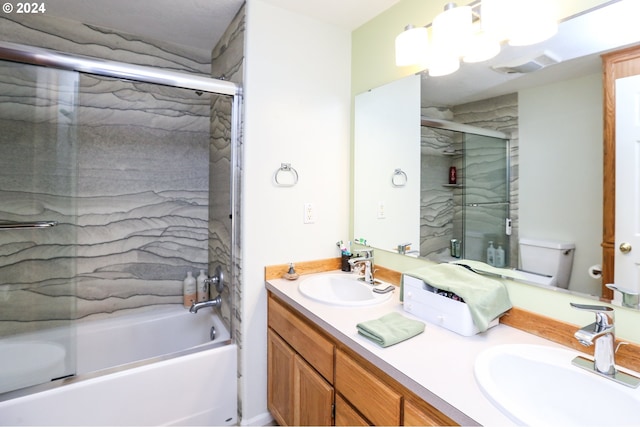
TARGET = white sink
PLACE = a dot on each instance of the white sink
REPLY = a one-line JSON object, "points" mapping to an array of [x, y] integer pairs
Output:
{"points": [[342, 289], [537, 385]]}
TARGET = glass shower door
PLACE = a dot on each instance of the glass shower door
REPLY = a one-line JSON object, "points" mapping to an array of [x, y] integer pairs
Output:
{"points": [[37, 224], [486, 199]]}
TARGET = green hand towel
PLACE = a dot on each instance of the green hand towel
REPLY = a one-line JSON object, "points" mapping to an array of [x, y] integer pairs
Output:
{"points": [[390, 329], [486, 298]]}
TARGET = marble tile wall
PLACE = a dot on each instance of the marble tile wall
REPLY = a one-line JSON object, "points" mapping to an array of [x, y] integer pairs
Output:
{"points": [[138, 202]]}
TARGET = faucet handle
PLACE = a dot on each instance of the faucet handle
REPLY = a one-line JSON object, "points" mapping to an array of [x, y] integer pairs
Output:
{"points": [[592, 308], [604, 314]]}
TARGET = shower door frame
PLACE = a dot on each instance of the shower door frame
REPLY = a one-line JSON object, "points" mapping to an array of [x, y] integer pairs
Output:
{"points": [[31, 55]]}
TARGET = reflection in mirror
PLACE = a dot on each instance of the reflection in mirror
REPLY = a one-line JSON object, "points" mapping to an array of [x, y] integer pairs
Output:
{"points": [[464, 189], [554, 119]]}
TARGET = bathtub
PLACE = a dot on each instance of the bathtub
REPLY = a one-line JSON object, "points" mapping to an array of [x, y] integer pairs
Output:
{"points": [[155, 368]]}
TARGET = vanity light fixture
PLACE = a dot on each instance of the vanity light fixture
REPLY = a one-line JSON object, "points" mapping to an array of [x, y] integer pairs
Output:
{"points": [[474, 33]]}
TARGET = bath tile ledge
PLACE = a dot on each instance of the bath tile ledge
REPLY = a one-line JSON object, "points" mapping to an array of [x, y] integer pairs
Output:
{"points": [[436, 365]]}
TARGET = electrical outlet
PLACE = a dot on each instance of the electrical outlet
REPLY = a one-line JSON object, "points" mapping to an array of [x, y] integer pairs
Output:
{"points": [[309, 213], [381, 211]]}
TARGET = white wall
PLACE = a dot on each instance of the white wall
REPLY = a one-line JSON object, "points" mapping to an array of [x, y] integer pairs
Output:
{"points": [[560, 129], [297, 110], [387, 137]]}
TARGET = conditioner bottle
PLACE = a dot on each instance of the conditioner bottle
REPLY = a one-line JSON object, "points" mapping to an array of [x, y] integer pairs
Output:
{"points": [[189, 290], [491, 254], [500, 257]]}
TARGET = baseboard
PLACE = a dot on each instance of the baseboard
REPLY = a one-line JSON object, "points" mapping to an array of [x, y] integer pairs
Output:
{"points": [[264, 419]]}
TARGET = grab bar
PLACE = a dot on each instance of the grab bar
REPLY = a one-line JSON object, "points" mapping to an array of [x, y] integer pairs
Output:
{"points": [[25, 225]]}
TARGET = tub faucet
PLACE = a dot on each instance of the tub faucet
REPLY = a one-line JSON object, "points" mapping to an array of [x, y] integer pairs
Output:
{"points": [[602, 334], [365, 258], [216, 302]]}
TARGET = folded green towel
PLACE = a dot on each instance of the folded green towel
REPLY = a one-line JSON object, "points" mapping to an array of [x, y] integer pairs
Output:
{"points": [[486, 298], [390, 329]]}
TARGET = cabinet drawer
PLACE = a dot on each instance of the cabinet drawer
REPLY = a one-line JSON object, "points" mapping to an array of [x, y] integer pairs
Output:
{"points": [[372, 397], [309, 343], [423, 414], [346, 415]]}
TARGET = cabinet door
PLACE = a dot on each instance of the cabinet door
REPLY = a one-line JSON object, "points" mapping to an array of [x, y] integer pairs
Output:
{"points": [[346, 415], [424, 415], [378, 402], [312, 396], [280, 367]]}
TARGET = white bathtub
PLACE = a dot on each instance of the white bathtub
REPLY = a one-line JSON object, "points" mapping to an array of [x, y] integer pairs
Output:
{"points": [[154, 368]]}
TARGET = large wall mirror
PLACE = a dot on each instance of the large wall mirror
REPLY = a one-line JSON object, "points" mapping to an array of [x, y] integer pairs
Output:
{"points": [[547, 100]]}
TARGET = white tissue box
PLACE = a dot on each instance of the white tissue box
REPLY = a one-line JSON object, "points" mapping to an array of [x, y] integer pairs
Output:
{"points": [[421, 301]]}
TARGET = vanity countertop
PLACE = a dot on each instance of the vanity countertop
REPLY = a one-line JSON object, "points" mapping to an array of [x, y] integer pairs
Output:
{"points": [[436, 365]]}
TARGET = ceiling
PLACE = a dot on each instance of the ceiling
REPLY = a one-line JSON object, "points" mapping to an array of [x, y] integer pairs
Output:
{"points": [[201, 23]]}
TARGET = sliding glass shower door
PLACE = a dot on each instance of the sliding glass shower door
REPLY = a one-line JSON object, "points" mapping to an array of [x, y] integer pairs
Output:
{"points": [[486, 199], [37, 224]]}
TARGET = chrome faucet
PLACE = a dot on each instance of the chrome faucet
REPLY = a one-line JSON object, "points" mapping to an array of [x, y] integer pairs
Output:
{"points": [[366, 259], [218, 281], [216, 302], [602, 334]]}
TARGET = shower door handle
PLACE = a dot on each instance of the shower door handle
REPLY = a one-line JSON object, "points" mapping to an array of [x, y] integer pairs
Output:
{"points": [[27, 225]]}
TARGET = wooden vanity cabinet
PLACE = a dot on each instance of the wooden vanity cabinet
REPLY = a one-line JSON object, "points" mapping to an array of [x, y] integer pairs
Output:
{"points": [[315, 380], [346, 415], [362, 387], [417, 412], [299, 369]]}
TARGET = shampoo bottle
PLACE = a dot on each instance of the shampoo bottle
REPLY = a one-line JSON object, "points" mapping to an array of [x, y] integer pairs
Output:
{"points": [[203, 288], [500, 257], [491, 254], [189, 290]]}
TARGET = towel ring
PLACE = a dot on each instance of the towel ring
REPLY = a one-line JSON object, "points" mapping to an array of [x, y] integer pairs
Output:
{"points": [[287, 169], [399, 178]]}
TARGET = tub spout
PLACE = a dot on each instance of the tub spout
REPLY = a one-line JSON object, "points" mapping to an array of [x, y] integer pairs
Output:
{"points": [[216, 302]]}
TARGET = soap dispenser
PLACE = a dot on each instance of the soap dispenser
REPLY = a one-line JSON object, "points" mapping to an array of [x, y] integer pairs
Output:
{"points": [[491, 254], [500, 257]]}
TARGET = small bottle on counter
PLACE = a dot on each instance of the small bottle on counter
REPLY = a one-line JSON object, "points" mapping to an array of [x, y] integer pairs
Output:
{"points": [[189, 290], [491, 254], [202, 293]]}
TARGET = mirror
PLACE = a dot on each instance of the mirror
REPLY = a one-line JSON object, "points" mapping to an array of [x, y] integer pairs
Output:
{"points": [[556, 145]]}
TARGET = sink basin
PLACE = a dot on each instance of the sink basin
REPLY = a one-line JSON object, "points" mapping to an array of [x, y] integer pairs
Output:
{"points": [[342, 289], [537, 385]]}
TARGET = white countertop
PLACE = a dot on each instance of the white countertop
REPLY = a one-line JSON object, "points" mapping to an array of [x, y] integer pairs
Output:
{"points": [[437, 365]]}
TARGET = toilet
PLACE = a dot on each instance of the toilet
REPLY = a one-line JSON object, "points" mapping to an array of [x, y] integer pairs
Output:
{"points": [[544, 262]]}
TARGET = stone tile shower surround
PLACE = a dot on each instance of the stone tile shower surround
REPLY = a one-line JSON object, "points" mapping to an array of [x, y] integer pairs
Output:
{"points": [[441, 208], [142, 178], [140, 198]]}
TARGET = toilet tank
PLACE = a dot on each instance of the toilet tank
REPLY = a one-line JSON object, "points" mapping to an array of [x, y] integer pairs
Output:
{"points": [[548, 258]]}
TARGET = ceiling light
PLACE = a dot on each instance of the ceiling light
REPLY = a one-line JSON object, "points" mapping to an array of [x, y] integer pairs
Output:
{"points": [[533, 24], [411, 46], [455, 36], [452, 29]]}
